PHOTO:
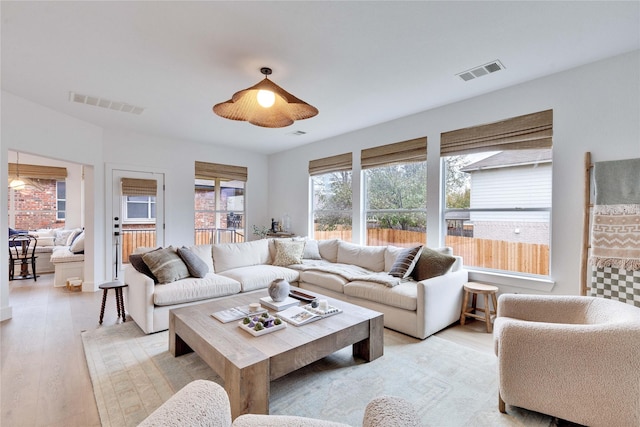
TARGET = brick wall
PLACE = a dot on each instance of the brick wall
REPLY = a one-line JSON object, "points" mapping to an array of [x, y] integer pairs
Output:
{"points": [[35, 208]]}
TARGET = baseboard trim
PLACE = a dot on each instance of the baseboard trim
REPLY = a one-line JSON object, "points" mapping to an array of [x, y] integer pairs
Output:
{"points": [[6, 313]]}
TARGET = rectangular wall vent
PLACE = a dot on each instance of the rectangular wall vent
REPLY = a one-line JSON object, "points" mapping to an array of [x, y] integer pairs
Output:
{"points": [[480, 71], [105, 103], [298, 133]]}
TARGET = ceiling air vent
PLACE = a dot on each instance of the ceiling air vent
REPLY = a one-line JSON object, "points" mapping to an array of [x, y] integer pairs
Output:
{"points": [[480, 71], [298, 133], [105, 103]]}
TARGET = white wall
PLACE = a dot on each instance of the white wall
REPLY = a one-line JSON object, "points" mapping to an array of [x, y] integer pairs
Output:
{"points": [[34, 129], [31, 128], [596, 108]]}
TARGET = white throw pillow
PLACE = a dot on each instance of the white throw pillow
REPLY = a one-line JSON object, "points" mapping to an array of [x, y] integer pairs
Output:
{"points": [[78, 244], [288, 253]]}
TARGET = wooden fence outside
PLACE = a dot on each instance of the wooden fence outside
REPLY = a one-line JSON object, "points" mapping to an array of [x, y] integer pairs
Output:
{"points": [[494, 254], [527, 258]]}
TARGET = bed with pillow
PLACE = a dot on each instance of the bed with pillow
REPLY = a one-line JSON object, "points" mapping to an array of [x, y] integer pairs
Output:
{"points": [[419, 290]]}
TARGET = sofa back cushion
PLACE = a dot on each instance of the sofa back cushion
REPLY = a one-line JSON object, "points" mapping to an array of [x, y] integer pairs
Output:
{"points": [[233, 255], [329, 249], [369, 257]]}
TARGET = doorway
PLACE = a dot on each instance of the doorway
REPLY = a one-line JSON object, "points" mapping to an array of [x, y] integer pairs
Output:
{"points": [[137, 215]]}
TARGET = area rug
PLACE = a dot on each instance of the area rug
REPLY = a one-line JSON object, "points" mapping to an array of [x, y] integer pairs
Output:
{"points": [[450, 385]]}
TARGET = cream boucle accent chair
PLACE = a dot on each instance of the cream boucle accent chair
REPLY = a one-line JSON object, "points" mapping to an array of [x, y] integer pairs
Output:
{"points": [[205, 403], [572, 357]]}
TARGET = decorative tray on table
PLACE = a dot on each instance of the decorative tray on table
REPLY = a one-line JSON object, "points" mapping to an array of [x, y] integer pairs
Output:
{"points": [[261, 324]]}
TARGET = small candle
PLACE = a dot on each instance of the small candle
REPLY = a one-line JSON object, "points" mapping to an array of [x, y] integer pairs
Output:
{"points": [[323, 305], [254, 306]]}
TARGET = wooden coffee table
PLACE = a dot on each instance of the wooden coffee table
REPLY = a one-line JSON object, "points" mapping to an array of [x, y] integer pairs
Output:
{"points": [[248, 364]]}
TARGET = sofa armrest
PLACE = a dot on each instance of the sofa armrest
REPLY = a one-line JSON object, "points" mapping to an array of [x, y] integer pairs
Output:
{"points": [[139, 298], [440, 301], [199, 403], [390, 411]]}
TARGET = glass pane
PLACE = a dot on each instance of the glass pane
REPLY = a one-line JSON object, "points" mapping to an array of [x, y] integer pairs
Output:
{"points": [[499, 209], [61, 187], [332, 205], [395, 200], [137, 210], [62, 204], [139, 198]]}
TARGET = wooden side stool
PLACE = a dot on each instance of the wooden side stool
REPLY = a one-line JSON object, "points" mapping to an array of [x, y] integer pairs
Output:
{"points": [[474, 289], [117, 286]]}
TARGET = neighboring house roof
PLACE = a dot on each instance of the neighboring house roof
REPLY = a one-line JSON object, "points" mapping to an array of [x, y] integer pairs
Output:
{"points": [[461, 214], [511, 158]]}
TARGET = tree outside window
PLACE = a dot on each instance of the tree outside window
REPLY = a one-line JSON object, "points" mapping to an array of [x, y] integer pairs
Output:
{"points": [[395, 204], [332, 205]]}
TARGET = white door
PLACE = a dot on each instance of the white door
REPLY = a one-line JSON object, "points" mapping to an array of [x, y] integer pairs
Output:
{"points": [[137, 214]]}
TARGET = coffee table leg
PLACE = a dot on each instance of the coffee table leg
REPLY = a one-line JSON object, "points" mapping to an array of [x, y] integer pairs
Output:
{"points": [[248, 388], [372, 347]]}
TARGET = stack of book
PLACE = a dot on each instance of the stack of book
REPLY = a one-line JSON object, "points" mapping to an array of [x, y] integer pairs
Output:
{"points": [[279, 305]]}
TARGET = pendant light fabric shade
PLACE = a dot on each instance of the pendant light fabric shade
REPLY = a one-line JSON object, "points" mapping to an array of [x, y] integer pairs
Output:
{"points": [[244, 106]]}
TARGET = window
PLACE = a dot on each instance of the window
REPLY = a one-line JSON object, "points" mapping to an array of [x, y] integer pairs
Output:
{"points": [[331, 200], [140, 208], [139, 200], [219, 203], [395, 189], [61, 200], [497, 194]]}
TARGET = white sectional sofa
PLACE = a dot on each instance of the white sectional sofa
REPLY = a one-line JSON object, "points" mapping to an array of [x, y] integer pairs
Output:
{"points": [[338, 269]]}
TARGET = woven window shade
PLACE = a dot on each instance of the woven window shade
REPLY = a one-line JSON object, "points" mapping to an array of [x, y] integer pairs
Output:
{"points": [[413, 150], [139, 187], [213, 171], [339, 163], [37, 171], [518, 133]]}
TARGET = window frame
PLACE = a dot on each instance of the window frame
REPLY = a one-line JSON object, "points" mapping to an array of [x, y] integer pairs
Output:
{"points": [[148, 220], [59, 200]]}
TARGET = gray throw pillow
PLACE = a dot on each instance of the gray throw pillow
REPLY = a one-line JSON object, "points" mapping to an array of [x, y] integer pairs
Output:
{"points": [[431, 264], [166, 265], [405, 262], [196, 266]]}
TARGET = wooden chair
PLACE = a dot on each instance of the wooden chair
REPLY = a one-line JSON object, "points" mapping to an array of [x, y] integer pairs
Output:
{"points": [[22, 251]]}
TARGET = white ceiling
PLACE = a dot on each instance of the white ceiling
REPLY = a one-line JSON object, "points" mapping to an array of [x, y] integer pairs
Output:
{"points": [[360, 63]]}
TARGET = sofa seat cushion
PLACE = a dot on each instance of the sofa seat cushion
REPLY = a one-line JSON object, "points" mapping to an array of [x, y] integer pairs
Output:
{"points": [[194, 289], [63, 254], [404, 295], [260, 276], [325, 280]]}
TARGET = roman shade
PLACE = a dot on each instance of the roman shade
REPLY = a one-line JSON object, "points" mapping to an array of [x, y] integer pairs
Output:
{"points": [[205, 170], [413, 150], [139, 187], [339, 163], [517, 133], [37, 171]]}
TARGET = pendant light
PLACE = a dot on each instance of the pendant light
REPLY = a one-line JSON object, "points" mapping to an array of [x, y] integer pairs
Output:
{"points": [[265, 104], [16, 183]]}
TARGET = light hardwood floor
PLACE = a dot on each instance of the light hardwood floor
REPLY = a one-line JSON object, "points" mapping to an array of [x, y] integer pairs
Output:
{"points": [[44, 377]]}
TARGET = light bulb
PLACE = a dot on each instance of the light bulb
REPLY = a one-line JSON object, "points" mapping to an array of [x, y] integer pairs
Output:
{"points": [[17, 184], [266, 98]]}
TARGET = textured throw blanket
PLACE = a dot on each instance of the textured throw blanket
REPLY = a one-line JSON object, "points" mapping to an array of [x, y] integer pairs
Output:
{"points": [[615, 230], [349, 272]]}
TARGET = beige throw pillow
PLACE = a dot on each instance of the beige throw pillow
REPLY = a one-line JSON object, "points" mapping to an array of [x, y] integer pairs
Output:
{"points": [[166, 265], [405, 262], [288, 252]]}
